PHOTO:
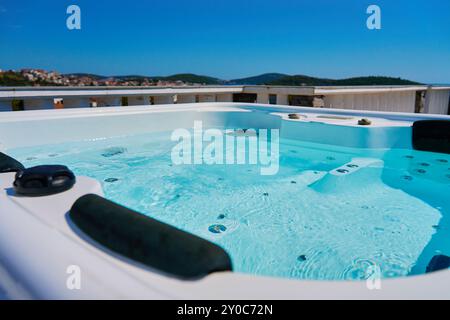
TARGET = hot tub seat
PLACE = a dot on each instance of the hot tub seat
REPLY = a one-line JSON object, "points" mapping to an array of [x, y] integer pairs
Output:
{"points": [[146, 240], [9, 164], [432, 135]]}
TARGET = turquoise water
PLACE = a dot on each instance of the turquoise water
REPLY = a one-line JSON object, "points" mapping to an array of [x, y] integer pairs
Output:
{"points": [[304, 222]]}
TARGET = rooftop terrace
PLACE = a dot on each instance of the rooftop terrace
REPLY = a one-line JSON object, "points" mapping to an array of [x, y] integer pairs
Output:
{"points": [[411, 99]]}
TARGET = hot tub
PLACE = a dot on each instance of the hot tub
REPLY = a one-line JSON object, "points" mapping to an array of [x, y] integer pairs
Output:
{"points": [[342, 211]]}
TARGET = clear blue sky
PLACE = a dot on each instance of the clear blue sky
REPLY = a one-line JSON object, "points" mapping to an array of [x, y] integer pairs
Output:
{"points": [[230, 38]]}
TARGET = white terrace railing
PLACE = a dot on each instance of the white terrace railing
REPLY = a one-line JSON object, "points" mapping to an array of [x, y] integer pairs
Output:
{"points": [[412, 99]]}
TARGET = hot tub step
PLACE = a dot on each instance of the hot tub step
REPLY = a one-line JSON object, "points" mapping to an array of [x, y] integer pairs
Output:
{"points": [[355, 165], [347, 177]]}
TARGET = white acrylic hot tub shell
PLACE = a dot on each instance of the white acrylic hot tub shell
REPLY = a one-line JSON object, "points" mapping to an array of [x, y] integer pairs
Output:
{"points": [[38, 242]]}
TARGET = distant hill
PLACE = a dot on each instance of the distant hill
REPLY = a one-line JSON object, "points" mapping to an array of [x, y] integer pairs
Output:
{"points": [[376, 81], [11, 78], [90, 75], [131, 76], [14, 79], [301, 80], [100, 77], [279, 79], [185, 77], [257, 80], [192, 78]]}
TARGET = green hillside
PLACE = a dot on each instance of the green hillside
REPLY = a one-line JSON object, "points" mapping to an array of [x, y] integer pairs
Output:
{"points": [[192, 78], [90, 75], [257, 80], [301, 80], [11, 78], [14, 79]]}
